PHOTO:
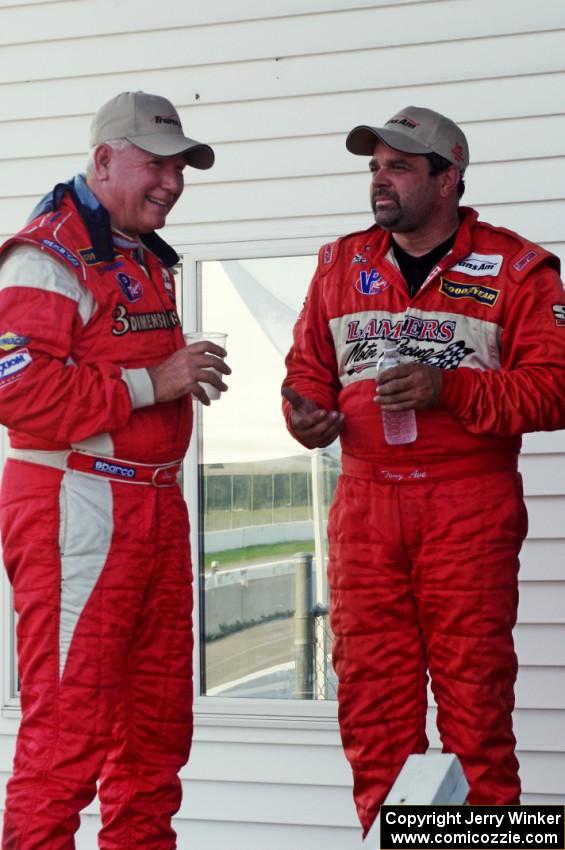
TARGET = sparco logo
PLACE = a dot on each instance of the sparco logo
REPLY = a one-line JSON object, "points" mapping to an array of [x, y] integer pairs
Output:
{"points": [[113, 469], [62, 251]]}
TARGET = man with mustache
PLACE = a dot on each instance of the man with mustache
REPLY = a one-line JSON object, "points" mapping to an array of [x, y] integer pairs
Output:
{"points": [[96, 387], [424, 537]]}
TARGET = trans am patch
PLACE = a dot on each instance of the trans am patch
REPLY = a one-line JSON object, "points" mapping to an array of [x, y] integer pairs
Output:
{"points": [[482, 294], [479, 265]]}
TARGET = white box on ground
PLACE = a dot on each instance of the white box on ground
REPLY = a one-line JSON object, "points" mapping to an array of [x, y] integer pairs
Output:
{"points": [[432, 779]]}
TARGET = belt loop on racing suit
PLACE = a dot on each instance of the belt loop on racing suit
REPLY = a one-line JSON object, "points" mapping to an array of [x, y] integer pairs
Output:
{"points": [[152, 474], [157, 475], [438, 470]]}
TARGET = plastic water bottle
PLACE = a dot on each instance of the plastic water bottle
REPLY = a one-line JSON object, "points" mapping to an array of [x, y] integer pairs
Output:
{"points": [[399, 426]]}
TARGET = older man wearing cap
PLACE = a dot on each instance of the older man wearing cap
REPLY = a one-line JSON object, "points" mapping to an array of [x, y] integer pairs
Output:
{"points": [[425, 536], [96, 387]]}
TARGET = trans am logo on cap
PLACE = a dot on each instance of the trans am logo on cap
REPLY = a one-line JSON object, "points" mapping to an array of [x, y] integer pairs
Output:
{"points": [[371, 283]]}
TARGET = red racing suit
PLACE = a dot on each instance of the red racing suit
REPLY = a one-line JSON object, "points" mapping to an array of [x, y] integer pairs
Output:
{"points": [[95, 534], [424, 537]]}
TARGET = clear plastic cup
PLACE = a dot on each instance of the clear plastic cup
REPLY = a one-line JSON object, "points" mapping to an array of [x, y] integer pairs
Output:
{"points": [[218, 338]]}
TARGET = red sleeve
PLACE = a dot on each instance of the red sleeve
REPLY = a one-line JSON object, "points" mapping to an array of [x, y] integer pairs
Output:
{"points": [[527, 393], [42, 391], [311, 368]]}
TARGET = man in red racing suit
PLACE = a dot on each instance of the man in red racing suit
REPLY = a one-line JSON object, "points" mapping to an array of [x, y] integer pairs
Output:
{"points": [[95, 388], [424, 537]]}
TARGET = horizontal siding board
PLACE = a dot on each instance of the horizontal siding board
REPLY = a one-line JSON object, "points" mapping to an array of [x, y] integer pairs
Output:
{"points": [[471, 102], [276, 159], [543, 773], [540, 645], [542, 560], [535, 730], [355, 26], [62, 20], [253, 763], [243, 164], [532, 54], [543, 474], [214, 835], [542, 602], [269, 803], [552, 442], [545, 514], [172, 44]]}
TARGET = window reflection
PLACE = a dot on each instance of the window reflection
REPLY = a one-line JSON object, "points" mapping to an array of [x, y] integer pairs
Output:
{"points": [[264, 499]]}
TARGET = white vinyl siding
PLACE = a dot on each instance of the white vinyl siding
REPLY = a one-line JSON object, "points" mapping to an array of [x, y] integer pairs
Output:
{"points": [[275, 87]]}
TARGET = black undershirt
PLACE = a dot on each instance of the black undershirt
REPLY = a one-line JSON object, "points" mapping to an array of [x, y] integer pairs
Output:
{"points": [[416, 269]]}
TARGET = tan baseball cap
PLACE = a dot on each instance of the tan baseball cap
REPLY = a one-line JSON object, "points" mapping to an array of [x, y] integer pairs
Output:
{"points": [[151, 123], [414, 130]]}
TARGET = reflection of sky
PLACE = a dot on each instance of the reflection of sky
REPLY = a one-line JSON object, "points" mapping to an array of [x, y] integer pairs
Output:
{"points": [[247, 423]]}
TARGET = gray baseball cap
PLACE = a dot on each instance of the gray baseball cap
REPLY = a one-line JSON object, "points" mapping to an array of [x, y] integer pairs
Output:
{"points": [[151, 123], [414, 130]]}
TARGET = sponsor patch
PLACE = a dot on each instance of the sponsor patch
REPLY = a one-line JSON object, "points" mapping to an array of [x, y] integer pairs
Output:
{"points": [[13, 365], [525, 260], [559, 315], [10, 340], [88, 256], [132, 288], [328, 252], [167, 119], [404, 121], [168, 284], [106, 468], [371, 283], [479, 265], [358, 258], [126, 322], [62, 251], [482, 294]]}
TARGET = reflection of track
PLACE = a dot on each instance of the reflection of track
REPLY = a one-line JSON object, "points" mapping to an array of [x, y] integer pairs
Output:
{"points": [[249, 651]]}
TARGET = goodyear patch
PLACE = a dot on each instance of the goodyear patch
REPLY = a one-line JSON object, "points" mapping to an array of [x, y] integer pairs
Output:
{"points": [[10, 340], [482, 294]]}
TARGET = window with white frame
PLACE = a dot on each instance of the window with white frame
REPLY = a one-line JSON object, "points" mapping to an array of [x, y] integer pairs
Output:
{"points": [[263, 498]]}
